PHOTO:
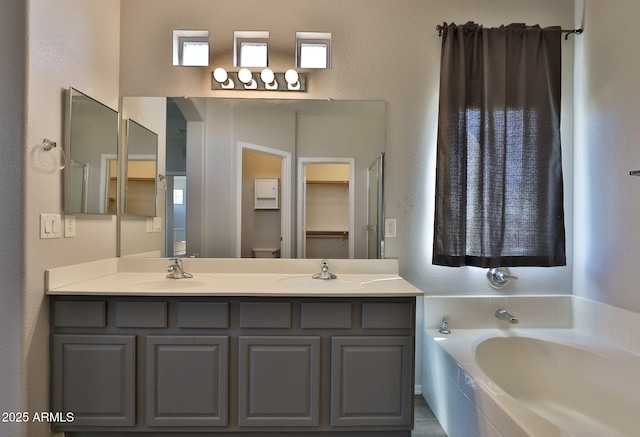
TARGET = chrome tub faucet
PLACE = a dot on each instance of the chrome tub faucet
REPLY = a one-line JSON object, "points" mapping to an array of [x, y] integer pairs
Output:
{"points": [[176, 271], [502, 314]]}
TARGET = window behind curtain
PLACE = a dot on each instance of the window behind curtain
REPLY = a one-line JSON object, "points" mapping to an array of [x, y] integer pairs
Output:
{"points": [[499, 189]]}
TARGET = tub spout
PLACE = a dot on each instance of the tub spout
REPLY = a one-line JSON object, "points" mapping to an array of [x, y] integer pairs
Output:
{"points": [[502, 314]]}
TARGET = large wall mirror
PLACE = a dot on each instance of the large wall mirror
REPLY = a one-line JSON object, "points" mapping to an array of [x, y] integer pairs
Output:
{"points": [[91, 145], [233, 185]]}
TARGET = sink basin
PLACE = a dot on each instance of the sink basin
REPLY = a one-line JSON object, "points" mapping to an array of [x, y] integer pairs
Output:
{"points": [[168, 284], [309, 284]]}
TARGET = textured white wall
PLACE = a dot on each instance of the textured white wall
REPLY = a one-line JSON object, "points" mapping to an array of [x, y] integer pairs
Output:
{"points": [[607, 201], [70, 43], [12, 45]]}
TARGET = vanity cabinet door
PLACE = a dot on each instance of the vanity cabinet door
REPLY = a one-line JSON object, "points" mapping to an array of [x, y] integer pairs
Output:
{"points": [[93, 378], [278, 381], [186, 381], [371, 381]]}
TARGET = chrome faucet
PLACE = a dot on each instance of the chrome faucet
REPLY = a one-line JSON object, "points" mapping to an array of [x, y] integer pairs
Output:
{"points": [[502, 314], [324, 272], [444, 329], [176, 271]]}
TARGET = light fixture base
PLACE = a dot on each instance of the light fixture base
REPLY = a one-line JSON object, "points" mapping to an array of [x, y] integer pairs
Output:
{"points": [[280, 83]]}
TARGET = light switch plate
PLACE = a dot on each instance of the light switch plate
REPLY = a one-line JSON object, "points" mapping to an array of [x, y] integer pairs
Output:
{"points": [[50, 226], [157, 224]]}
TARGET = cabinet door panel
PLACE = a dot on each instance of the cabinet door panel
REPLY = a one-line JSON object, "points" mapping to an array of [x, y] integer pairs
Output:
{"points": [[279, 381], [371, 382], [187, 380], [93, 378]]}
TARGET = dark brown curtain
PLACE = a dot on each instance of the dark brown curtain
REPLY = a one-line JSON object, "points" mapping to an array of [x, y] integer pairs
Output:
{"points": [[499, 193]]}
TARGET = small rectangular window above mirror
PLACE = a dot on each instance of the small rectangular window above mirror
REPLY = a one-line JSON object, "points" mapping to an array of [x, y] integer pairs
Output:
{"points": [[191, 48], [313, 50], [251, 49]]}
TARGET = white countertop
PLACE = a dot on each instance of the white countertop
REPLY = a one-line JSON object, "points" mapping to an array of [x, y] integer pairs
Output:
{"points": [[230, 277]]}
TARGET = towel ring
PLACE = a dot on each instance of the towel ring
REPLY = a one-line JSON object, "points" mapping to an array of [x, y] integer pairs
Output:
{"points": [[43, 159]]}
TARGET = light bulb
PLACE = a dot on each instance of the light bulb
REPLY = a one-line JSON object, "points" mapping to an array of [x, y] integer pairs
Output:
{"points": [[291, 76], [245, 76], [220, 75], [267, 76]]}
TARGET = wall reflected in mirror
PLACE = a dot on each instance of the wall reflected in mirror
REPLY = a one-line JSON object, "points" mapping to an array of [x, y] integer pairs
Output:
{"points": [[375, 207], [208, 209], [141, 171], [91, 143]]}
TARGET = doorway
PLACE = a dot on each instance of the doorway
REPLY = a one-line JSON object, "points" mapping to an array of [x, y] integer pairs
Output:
{"points": [[326, 196], [265, 219]]}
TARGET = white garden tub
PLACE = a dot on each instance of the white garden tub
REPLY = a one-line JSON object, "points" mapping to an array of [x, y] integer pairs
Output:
{"points": [[533, 382]]}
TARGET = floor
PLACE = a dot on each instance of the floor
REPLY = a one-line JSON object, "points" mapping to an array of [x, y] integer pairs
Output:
{"points": [[425, 423]]}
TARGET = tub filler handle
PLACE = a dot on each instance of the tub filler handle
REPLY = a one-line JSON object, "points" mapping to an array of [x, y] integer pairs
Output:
{"points": [[499, 277]]}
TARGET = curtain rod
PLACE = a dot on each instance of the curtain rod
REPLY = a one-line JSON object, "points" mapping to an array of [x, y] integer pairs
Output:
{"points": [[568, 32]]}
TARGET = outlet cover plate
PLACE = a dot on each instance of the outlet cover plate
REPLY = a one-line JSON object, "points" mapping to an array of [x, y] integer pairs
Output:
{"points": [[390, 228], [69, 226]]}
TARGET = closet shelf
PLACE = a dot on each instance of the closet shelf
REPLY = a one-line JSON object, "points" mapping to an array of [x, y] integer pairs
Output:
{"points": [[328, 234]]}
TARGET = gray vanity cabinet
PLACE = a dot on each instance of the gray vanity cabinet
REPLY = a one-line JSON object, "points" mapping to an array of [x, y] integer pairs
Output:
{"points": [[186, 380], [233, 366], [278, 381], [371, 381], [94, 378]]}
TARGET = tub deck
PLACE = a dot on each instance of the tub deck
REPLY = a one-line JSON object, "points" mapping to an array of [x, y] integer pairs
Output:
{"points": [[516, 401]]}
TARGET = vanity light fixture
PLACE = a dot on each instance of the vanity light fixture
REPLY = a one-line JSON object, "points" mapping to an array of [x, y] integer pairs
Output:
{"points": [[266, 80]]}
